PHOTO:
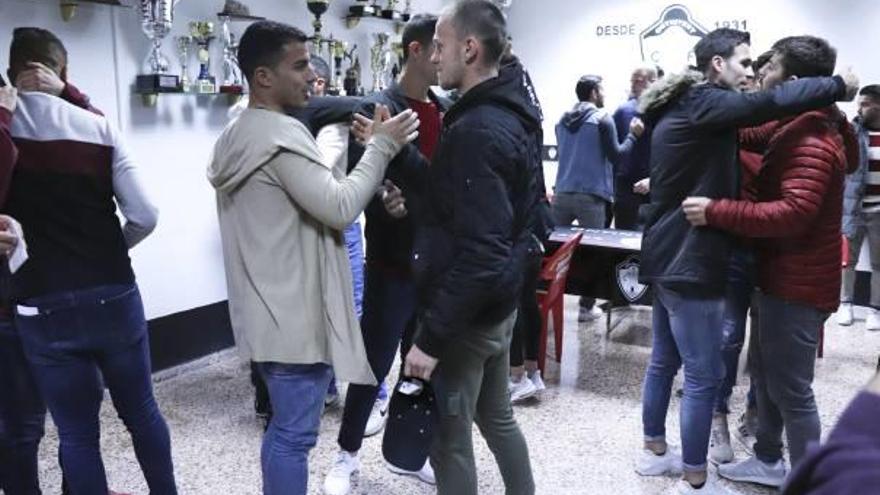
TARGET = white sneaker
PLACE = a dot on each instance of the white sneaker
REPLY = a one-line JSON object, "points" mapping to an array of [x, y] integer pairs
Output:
{"points": [[521, 390], [872, 322], [712, 487], [426, 474], [752, 470], [845, 314], [535, 377], [591, 314], [338, 480], [651, 464], [378, 418], [720, 451]]}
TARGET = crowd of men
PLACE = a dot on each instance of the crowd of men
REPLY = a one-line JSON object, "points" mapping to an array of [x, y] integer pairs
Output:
{"points": [[743, 174]]}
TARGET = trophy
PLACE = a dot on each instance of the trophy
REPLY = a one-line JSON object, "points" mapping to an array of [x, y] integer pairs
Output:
{"points": [[407, 11], [352, 81], [183, 43], [379, 55], [232, 80], [202, 33], [389, 12], [317, 8], [338, 50], [156, 20]]}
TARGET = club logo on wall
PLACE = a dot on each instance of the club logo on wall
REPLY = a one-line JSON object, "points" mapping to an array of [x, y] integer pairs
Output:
{"points": [[669, 41], [628, 279]]}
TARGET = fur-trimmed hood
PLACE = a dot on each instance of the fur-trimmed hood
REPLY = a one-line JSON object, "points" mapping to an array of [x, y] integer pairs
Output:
{"points": [[667, 90]]}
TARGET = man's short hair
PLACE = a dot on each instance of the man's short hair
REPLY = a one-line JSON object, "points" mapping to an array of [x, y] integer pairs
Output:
{"points": [[263, 43], [33, 44], [720, 42], [806, 56], [585, 86], [419, 28], [762, 60], [320, 66], [871, 91], [485, 21]]}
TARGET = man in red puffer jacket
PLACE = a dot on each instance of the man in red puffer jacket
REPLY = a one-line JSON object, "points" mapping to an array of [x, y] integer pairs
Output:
{"points": [[795, 221]]}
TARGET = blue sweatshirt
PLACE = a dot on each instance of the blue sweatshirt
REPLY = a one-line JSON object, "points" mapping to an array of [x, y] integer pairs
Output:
{"points": [[588, 152], [637, 165]]}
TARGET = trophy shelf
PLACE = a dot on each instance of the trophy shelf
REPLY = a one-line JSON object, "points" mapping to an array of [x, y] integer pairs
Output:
{"points": [[241, 17], [150, 99]]}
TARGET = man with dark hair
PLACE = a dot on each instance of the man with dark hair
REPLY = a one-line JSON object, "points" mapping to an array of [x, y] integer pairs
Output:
{"points": [[861, 209], [71, 170], [22, 410], [41, 65], [470, 251], [390, 294], [737, 302], [795, 217], [695, 117], [589, 152], [282, 209], [634, 166]]}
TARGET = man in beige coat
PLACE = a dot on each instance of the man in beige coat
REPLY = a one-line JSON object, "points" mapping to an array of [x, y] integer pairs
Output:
{"points": [[282, 210]]}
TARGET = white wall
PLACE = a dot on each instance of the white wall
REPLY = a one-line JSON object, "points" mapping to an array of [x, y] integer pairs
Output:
{"points": [[558, 41], [180, 266]]}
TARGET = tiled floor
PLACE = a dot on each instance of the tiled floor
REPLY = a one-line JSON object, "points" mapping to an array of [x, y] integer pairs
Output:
{"points": [[583, 433]]}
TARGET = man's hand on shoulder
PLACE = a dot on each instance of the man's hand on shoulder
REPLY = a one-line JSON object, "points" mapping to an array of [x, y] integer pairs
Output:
{"points": [[852, 84], [37, 77], [695, 210], [8, 98]]}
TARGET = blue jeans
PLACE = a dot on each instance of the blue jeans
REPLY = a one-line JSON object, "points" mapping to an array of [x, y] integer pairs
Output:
{"points": [[354, 243], [389, 315], [22, 416], [73, 340], [297, 395], [687, 331], [738, 298]]}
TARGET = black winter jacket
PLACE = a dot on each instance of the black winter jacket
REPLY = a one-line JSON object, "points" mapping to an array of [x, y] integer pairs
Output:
{"points": [[694, 153], [325, 110], [390, 240], [472, 243]]}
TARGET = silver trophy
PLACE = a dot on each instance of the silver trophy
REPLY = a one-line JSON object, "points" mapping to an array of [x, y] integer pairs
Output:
{"points": [[232, 79], [156, 20], [380, 62], [183, 43]]}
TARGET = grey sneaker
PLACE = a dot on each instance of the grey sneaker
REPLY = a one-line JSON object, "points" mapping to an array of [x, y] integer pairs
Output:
{"points": [[720, 451], [753, 470]]}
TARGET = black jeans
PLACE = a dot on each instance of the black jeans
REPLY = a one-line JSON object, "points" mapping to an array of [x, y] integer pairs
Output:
{"points": [[389, 316], [626, 206], [527, 330]]}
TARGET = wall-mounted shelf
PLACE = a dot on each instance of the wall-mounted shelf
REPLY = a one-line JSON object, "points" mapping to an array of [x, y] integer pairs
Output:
{"points": [[240, 17]]}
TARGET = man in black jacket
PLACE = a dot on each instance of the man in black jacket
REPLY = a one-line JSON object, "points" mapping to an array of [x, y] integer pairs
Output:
{"points": [[694, 153], [470, 249], [390, 293]]}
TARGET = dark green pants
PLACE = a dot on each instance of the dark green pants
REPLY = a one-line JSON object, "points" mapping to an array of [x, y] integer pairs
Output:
{"points": [[471, 384]]}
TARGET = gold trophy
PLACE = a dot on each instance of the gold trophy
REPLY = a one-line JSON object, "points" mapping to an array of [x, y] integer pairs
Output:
{"points": [[202, 33], [317, 8]]}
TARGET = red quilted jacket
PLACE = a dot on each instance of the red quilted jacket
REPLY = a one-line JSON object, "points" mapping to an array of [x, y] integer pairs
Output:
{"points": [[799, 197]]}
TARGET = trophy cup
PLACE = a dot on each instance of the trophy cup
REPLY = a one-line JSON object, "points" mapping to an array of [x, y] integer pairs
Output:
{"points": [[156, 21], [378, 60], [352, 81], [317, 8], [232, 80], [183, 43], [202, 33], [338, 49], [389, 12], [407, 11]]}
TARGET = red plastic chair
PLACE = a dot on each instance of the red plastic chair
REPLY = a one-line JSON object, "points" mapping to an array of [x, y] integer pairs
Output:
{"points": [[555, 272], [844, 258]]}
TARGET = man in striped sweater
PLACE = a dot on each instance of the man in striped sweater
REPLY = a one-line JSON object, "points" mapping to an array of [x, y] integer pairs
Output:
{"points": [[861, 208]]}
